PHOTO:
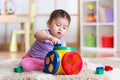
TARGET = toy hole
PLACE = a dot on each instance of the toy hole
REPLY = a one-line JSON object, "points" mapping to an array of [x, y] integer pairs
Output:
{"points": [[74, 68], [50, 67], [52, 57], [68, 61], [47, 60], [76, 58]]}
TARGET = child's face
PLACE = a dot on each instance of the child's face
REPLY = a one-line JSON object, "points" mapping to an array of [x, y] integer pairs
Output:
{"points": [[58, 27]]}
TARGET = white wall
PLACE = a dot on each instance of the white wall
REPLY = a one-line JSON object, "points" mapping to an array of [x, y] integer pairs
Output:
{"points": [[44, 7]]}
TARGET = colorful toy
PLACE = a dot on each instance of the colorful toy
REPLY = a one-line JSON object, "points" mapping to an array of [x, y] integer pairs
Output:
{"points": [[18, 69], [90, 40], [107, 41], [91, 17], [100, 70], [9, 7], [63, 60]]}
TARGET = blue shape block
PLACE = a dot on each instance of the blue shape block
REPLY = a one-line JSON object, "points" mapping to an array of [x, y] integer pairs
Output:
{"points": [[101, 68], [57, 45]]}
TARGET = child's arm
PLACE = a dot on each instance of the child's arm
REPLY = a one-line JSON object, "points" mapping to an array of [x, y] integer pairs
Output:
{"points": [[43, 35]]}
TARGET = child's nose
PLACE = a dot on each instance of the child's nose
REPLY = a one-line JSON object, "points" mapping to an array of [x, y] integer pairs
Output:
{"points": [[60, 28]]}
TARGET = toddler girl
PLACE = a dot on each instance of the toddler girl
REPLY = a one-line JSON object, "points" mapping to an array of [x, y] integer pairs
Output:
{"points": [[58, 24]]}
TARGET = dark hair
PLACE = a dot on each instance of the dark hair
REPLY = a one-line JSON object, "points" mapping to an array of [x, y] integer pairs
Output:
{"points": [[59, 13]]}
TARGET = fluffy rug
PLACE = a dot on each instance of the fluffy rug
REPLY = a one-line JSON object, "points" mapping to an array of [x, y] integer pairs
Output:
{"points": [[7, 73]]}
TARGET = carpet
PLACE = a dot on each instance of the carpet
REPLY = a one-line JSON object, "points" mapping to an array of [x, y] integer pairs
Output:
{"points": [[7, 73]]}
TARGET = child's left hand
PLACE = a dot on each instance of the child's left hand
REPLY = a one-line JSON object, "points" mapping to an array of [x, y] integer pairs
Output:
{"points": [[55, 40]]}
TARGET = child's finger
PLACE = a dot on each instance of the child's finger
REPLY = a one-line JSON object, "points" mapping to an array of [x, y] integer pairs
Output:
{"points": [[51, 42]]}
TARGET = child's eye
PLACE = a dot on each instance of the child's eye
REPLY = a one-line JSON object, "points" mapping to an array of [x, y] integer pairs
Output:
{"points": [[58, 25], [65, 27]]}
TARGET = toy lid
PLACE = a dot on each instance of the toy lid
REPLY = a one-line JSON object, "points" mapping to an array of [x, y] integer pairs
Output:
{"points": [[64, 48], [72, 63], [52, 62]]}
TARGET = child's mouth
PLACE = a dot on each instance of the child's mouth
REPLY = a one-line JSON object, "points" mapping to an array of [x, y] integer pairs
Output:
{"points": [[58, 33]]}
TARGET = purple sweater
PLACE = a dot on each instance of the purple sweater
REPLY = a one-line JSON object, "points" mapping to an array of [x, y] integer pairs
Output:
{"points": [[40, 48]]}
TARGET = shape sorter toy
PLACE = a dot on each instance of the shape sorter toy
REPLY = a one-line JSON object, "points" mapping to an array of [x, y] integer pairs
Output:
{"points": [[63, 60]]}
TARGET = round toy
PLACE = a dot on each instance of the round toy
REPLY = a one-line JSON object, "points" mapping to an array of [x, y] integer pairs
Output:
{"points": [[56, 61], [72, 63], [53, 59]]}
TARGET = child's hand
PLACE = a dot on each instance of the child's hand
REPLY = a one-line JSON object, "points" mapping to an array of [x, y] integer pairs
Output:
{"points": [[55, 40]]}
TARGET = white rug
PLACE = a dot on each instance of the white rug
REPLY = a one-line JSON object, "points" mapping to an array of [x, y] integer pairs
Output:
{"points": [[7, 73]]}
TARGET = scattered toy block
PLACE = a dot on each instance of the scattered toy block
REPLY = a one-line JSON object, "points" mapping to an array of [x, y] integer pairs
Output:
{"points": [[99, 70], [18, 69], [108, 68]]}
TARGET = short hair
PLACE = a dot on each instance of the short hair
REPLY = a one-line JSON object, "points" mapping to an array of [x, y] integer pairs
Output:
{"points": [[59, 13]]}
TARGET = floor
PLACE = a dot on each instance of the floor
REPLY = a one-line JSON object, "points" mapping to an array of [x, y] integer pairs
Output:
{"points": [[7, 55]]}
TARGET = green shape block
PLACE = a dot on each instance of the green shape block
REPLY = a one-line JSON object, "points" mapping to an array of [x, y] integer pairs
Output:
{"points": [[99, 71], [18, 69]]}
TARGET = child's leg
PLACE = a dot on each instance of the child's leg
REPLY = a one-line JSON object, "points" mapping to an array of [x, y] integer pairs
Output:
{"points": [[32, 64]]}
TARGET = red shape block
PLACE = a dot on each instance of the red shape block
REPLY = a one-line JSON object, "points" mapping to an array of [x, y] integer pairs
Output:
{"points": [[108, 68], [107, 41]]}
